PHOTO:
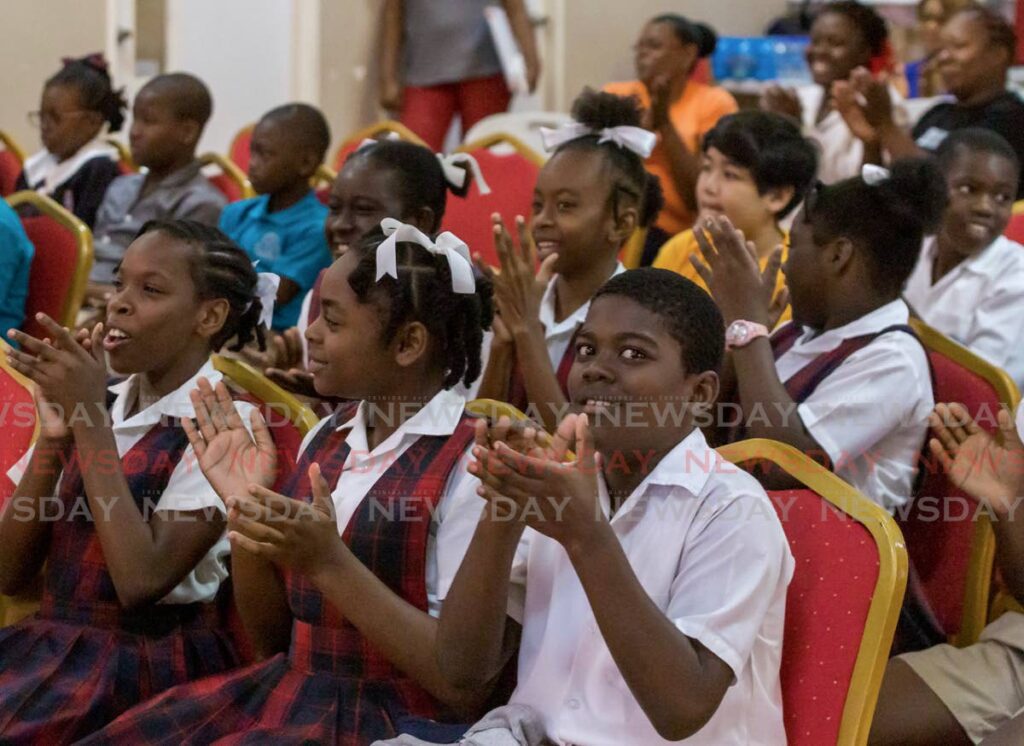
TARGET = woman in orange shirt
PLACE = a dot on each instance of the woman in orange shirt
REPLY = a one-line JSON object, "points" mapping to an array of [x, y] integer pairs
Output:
{"points": [[680, 109]]}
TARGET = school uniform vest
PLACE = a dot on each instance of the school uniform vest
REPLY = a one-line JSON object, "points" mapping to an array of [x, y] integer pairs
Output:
{"points": [[805, 381], [84, 658], [333, 685], [517, 395]]}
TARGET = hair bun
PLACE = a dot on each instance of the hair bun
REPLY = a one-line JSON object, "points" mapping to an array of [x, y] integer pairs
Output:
{"points": [[599, 110], [705, 38], [916, 192]]}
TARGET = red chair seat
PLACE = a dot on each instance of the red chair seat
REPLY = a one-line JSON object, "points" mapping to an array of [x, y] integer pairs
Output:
{"points": [[239, 150], [512, 178]]}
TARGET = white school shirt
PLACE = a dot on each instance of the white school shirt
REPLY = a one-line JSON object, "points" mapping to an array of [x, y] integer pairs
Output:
{"points": [[841, 152], [44, 169], [187, 489], [557, 334], [978, 303], [708, 548], [458, 511], [871, 413]]}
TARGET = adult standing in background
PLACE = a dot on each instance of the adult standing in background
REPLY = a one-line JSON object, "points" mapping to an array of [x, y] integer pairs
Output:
{"points": [[439, 60], [679, 109]]}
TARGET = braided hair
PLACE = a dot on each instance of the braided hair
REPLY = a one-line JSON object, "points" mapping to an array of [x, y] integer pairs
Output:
{"points": [[631, 183], [220, 269], [90, 77], [423, 292]]}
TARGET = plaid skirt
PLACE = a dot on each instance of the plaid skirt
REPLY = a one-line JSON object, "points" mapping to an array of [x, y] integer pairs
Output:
{"points": [[61, 681], [269, 702]]}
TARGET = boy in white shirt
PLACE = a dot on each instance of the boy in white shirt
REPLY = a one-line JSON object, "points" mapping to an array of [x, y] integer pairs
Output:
{"points": [[651, 585], [969, 279]]}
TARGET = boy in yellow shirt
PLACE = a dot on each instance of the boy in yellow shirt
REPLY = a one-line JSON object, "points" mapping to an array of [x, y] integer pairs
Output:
{"points": [[755, 169]]}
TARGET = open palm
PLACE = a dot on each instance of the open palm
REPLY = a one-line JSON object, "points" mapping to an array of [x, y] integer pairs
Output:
{"points": [[230, 458], [975, 461]]}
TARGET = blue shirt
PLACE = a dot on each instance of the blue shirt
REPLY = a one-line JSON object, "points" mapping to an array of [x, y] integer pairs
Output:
{"points": [[16, 253], [289, 243]]}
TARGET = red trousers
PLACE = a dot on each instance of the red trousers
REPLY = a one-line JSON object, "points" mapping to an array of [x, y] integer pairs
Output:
{"points": [[429, 111]]}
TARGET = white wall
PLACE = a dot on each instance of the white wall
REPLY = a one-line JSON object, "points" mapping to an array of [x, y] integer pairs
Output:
{"points": [[241, 49]]}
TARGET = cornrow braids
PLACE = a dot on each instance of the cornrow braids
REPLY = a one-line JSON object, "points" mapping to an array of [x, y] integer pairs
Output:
{"points": [[220, 269], [423, 292]]}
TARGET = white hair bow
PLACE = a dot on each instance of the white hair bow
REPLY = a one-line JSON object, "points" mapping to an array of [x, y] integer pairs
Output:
{"points": [[873, 175], [448, 245], [635, 139], [266, 291], [456, 176], [368, 141]]}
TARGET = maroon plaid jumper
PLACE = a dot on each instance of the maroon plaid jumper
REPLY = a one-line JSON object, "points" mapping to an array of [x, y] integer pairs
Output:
{"points": [[517, 395], [333, 686], [85, 659]]}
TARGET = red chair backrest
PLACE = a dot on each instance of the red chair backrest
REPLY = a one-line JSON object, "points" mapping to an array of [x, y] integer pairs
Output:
{"points": [[511, 178], [827, 604], [1015, 229], [938, 525], [227, 186], [52, 272], [239, 152], [10, 168], [17, 425]]}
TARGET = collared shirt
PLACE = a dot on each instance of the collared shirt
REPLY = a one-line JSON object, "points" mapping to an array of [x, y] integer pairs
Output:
{"points": [[870, 414], [187, 489], [16, 252], [44, 173], [707, 546], [290, 243], [557, 334], [978, 302], [459, 508], [184, 194], [841, 152]]}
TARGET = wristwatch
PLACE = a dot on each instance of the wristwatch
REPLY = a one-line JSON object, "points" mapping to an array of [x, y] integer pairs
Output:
{"points": [[741, 333]]}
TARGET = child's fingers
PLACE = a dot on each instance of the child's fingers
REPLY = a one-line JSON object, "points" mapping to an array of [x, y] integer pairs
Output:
{"points": [[261, 432], [547, 269], [702, 269], [256, 528], [942, 454], [956, 420], [564, 438], [321, 490], [95, 347], [206, 426], [60, 335], [527, 247], [195, 439], [943, 434], [210, 400], [226, 407], [704, 245], [275, 503], [480, 433], [1008, 428], [241, 541], [586, 452], [30, 344]]}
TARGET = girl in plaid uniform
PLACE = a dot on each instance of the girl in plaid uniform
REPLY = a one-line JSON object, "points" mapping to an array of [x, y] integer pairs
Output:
{"points": [[339, 583], [130, 531]]}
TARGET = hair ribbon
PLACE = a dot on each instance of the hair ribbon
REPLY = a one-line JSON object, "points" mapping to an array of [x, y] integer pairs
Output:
{"points": [[448, 245], [634, 139]]}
